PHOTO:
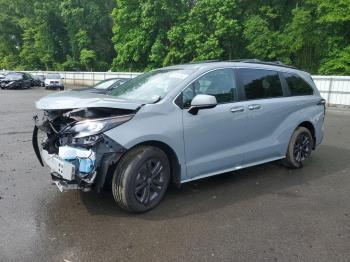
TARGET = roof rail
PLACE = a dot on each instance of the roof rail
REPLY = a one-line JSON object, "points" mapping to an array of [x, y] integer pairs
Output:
{"points": [[258, 61], [204, 61]]}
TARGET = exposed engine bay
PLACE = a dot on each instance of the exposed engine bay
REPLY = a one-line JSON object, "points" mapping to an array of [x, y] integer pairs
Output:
{"points": [[73, 144]]}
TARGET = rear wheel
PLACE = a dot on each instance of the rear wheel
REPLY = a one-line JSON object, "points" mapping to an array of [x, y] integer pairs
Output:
{"points": [[62, 88], [299, 148], [141, 179]]}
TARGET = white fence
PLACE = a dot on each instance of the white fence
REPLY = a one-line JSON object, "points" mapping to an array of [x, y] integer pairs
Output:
{"points": [[335, 89], [78, 79]]}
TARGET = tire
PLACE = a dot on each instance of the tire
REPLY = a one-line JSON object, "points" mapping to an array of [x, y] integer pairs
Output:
{"points": [[133, 188], [299, 148], [61, 88]]}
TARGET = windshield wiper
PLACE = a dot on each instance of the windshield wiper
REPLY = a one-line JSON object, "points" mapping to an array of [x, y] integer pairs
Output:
{"points": [[157, 99]]}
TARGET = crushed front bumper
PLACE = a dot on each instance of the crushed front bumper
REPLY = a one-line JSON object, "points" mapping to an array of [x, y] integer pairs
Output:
{"points": [[66, 175], [62, 168]]}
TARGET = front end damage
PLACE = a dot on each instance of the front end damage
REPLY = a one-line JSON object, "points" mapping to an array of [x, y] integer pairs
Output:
{"points": [[72, 143]]}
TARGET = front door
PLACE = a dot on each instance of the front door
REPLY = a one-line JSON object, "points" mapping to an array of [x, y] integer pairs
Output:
{"points": [[214, 137]]}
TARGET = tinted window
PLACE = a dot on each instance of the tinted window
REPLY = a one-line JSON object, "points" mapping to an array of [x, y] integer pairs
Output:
{"points": [[218, 83], [105, 84], [260, 83], [53, 76], [297, 86], [14, 76]]}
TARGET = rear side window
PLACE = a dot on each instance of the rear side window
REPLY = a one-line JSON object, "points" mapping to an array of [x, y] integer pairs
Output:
{"points": [[298, 86], [259, 83]]}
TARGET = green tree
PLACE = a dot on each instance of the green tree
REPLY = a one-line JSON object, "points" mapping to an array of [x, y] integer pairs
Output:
{"points": [[140, 32], [334, 17], [10, 33], [210, 30], [87, 58]]}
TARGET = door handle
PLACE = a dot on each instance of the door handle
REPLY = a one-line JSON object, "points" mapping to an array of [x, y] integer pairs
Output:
{"points": [[238, 109], [254, 107]]}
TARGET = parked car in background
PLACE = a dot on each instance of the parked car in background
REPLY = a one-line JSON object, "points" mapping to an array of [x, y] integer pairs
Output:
{"points": [[2, 77], [16, 80], [54, 81], [39, 80], [31, 77], [178, 124], [104, 86]]}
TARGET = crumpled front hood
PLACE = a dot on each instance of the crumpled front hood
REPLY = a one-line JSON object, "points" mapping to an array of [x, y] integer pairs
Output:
{"points": [[73, 100]]}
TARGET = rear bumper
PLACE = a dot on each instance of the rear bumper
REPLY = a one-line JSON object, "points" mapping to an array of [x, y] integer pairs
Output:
{"points": [[320, 136]]}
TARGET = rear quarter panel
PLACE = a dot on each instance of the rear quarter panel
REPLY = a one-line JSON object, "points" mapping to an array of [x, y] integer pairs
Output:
{"points": [[301, 109]]}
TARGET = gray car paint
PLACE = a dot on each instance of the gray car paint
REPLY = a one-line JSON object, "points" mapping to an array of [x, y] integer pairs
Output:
{"points": [[73, 100], [214, 140]]}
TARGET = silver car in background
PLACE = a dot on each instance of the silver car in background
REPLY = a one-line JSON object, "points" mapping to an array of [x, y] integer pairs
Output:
{"points": [[53, 81], [179, 124]]}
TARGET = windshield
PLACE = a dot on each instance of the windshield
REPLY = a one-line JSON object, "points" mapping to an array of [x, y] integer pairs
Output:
{"points": [[105, 84], [13, 76], [53, 76], [151, 86]]}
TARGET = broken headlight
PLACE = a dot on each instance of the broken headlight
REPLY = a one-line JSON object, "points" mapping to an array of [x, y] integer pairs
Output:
{"points": [[95, 126]]}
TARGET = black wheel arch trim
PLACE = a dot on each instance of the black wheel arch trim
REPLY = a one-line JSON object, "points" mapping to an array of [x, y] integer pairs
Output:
{"points": [[310, 126], [175, 166]]}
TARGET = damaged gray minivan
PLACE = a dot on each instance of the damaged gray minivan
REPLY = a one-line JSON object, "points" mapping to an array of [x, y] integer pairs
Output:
{"points": [[178, 124]]}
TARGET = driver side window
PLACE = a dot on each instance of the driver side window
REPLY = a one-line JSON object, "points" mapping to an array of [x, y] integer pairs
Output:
{"points": [[219, 83]]}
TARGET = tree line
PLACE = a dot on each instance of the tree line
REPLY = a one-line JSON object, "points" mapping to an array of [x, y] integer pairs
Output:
{"points": [[138, 35]]}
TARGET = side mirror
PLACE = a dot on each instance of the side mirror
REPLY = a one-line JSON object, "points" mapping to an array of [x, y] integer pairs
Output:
{"points": [[202, 102]]}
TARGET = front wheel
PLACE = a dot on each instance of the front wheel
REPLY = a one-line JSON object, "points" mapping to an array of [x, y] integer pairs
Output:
{"points": [[299, 148], [141, 179]]}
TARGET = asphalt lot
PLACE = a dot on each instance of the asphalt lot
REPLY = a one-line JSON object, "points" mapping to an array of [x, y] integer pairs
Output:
{"points": [[265, 213]]}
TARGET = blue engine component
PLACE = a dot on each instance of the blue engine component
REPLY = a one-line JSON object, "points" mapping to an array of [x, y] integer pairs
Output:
{"points": [[86, 165]]}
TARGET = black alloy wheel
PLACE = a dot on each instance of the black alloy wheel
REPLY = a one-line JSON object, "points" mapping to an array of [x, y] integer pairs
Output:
{"points": [[299, 148], [141, 179], [149, 181], [302, 147]]}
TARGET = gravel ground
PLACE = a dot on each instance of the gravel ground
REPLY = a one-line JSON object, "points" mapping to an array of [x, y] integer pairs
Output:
{"points": [[265, 213]]}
